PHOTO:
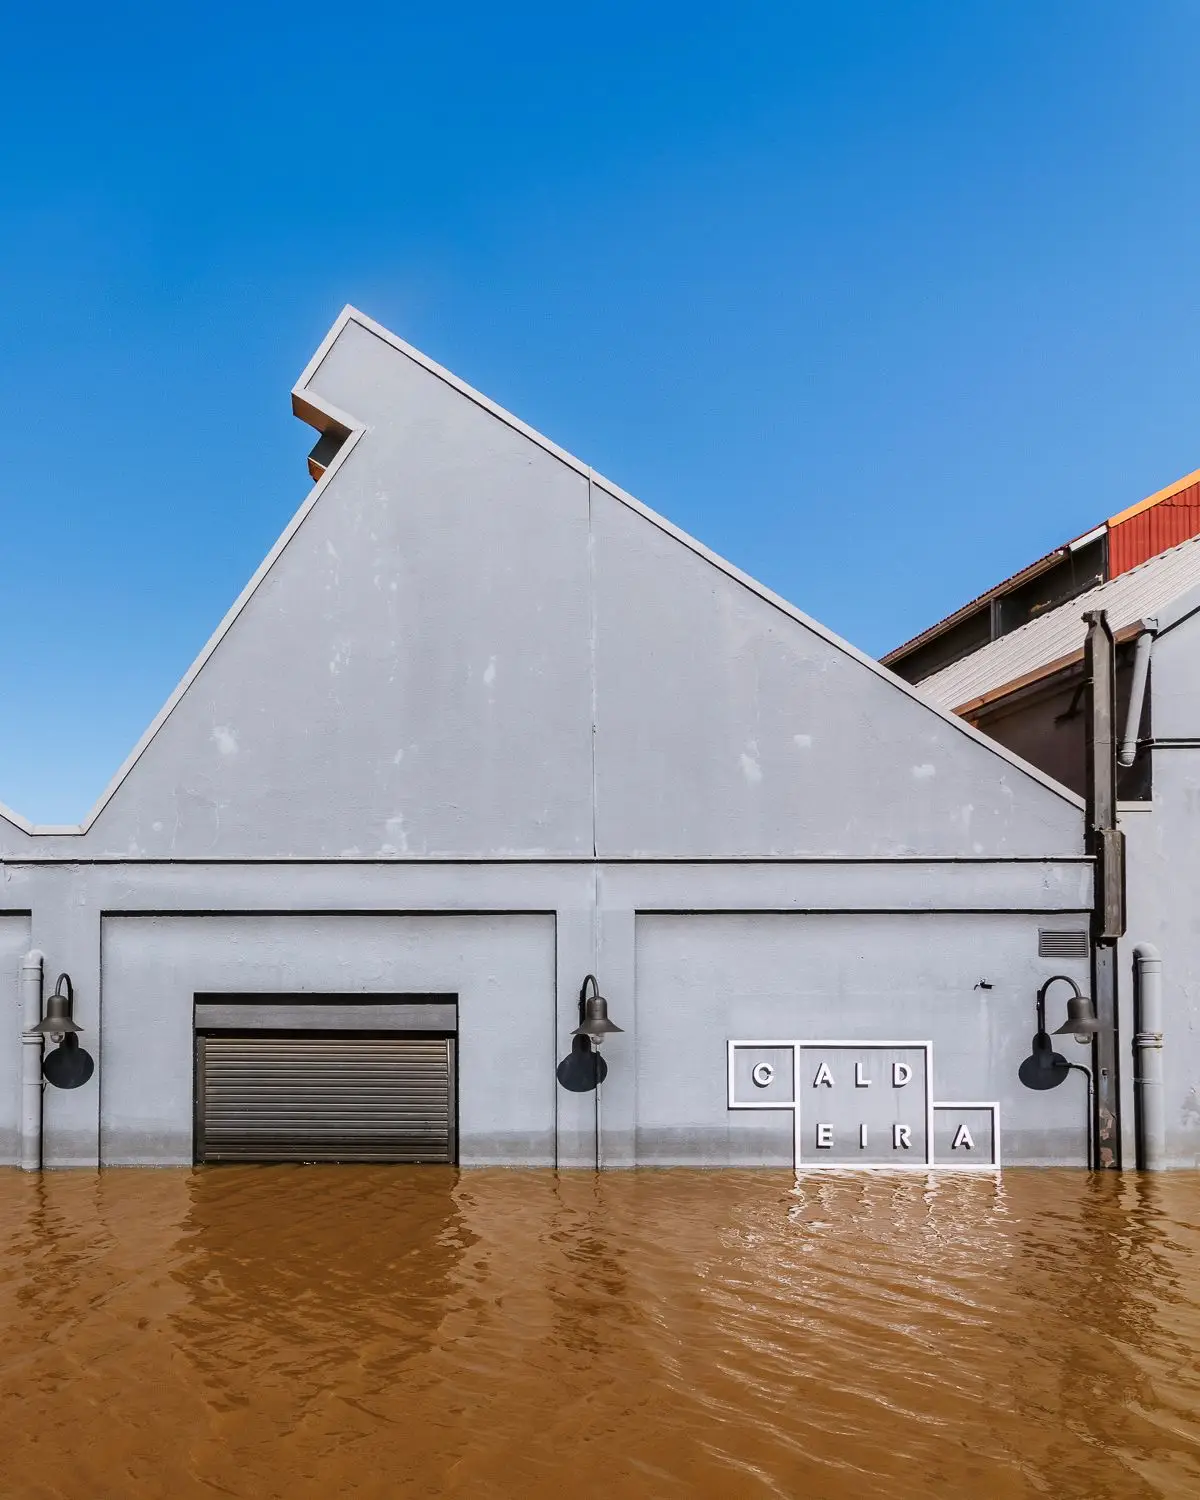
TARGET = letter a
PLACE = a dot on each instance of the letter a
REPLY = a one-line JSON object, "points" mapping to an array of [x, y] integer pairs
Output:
{"points": [[963, 1138], [824, 1076]]}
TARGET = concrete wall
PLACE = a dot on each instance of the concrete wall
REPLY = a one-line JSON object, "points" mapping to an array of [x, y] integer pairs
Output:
{"points": [[887, 976], [726, 727], [1163, 882], [501, 968], [689, 955], [484, 725], [471, 646]]}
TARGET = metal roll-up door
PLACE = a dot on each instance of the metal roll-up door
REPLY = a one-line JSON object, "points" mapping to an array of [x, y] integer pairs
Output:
{"points": [[318, 1097]]}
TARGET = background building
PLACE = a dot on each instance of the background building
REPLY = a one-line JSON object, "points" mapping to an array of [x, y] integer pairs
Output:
{"points": [[481, 725], [1023, 684]]}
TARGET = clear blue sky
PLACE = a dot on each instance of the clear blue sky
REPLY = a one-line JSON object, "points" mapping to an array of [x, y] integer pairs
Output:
{"points": [[878, 300]]}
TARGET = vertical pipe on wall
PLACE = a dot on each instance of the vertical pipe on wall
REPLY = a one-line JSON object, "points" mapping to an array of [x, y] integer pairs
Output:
{"points": [[31, 1062], [596, 1092], [1127, 753], [1106, 844], [1150, 1113]]}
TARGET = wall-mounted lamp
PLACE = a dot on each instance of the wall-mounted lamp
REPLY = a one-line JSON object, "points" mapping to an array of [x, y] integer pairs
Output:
{"points": [[1081, 1022], [593, 1013], [1046, 1069], [68, 1066]]}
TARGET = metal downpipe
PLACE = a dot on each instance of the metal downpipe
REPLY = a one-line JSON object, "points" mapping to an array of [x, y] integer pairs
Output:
{"points": [[1127, 753], [31, 1062], [1150, 1113]]}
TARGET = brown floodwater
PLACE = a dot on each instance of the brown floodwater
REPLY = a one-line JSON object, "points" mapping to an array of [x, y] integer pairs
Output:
{"points": [[397, 1331]]}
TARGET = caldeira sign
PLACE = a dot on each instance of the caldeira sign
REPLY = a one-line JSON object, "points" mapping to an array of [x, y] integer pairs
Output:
{"points": [[863, 1104]]}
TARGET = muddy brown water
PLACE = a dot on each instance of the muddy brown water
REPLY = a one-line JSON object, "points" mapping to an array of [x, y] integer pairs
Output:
{"points": [[376, 1331]]}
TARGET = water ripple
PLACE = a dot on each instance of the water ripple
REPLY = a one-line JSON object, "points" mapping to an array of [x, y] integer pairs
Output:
{"points": [[383, 1332]]}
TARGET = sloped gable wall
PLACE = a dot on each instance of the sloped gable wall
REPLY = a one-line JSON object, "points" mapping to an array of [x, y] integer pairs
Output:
{"points": [[725, 726], [412, 677], [471, 647]]}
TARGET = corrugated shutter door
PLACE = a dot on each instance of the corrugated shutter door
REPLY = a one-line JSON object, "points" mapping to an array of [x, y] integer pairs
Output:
{"points": [[324, 1098]]}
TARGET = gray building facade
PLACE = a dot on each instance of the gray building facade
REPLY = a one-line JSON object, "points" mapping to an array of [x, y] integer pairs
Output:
{"points": [[481, 725], [1027, 691]]}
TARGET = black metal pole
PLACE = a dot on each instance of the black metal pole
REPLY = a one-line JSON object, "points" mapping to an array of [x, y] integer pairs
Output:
{"points": [[1106, 844]]}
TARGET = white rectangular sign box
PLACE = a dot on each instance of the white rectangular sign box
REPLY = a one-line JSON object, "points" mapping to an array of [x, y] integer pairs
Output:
{"points": [[863, 1105]]}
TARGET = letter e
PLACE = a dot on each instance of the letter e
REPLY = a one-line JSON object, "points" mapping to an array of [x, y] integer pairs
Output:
{"points": [[824, 1136]]}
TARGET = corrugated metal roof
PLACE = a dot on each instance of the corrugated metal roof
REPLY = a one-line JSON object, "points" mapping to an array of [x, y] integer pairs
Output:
{"points": [[931, 632], [1059, 634], [1131, 549]]}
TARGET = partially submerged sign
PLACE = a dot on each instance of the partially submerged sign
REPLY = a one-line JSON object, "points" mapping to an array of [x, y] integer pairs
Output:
{"points": [[863, 1104]]}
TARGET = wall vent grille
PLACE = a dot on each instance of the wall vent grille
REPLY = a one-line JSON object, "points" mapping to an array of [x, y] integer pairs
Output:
{"points": [[1062, 942]]}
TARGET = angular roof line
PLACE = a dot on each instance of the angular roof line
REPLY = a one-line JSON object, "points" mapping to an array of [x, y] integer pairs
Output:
{"points": [[1031, 570], [1159, 495], [323, 415], [1164, 589], [1022, 575]]}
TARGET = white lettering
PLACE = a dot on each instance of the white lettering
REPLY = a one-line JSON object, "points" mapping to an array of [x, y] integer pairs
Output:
{"points": [[824, 1076], [859, 1081], [763, 1074], [900, 1136], [963, 1139], [862, 1137], [901, 1073], [824, 1136]]}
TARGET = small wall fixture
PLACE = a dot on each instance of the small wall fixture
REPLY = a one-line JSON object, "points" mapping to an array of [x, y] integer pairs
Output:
{"points": [[593, 1013], [68, 1066]]}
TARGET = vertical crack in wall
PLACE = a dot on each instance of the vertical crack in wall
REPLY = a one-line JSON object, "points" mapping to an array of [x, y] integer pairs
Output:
{"points": [[591, 546]]}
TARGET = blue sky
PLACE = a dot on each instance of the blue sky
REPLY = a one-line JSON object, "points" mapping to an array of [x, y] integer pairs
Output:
{"points": [[878, 300]]}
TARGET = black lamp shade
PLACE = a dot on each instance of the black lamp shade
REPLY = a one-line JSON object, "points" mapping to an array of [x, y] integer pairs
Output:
{"points": [[68, 1066], [57, 1020], [595, 1021], [1081, 1018]]}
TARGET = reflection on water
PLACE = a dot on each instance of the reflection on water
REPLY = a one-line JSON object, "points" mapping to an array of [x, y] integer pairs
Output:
{"points": [[396, 1331]]}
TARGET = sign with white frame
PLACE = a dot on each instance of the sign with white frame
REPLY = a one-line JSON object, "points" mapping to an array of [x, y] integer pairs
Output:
{"points": [[864, 1105]]}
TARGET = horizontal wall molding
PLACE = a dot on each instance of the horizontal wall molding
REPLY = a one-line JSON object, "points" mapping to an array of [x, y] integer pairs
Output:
{"points": [[1038, 886], [295, 1013], [484, 861]]}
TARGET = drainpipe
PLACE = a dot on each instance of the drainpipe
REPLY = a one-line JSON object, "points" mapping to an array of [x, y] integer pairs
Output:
{"points": [[1106, 844], [31, 1062], [1151, 1113], [1127, 754]]}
